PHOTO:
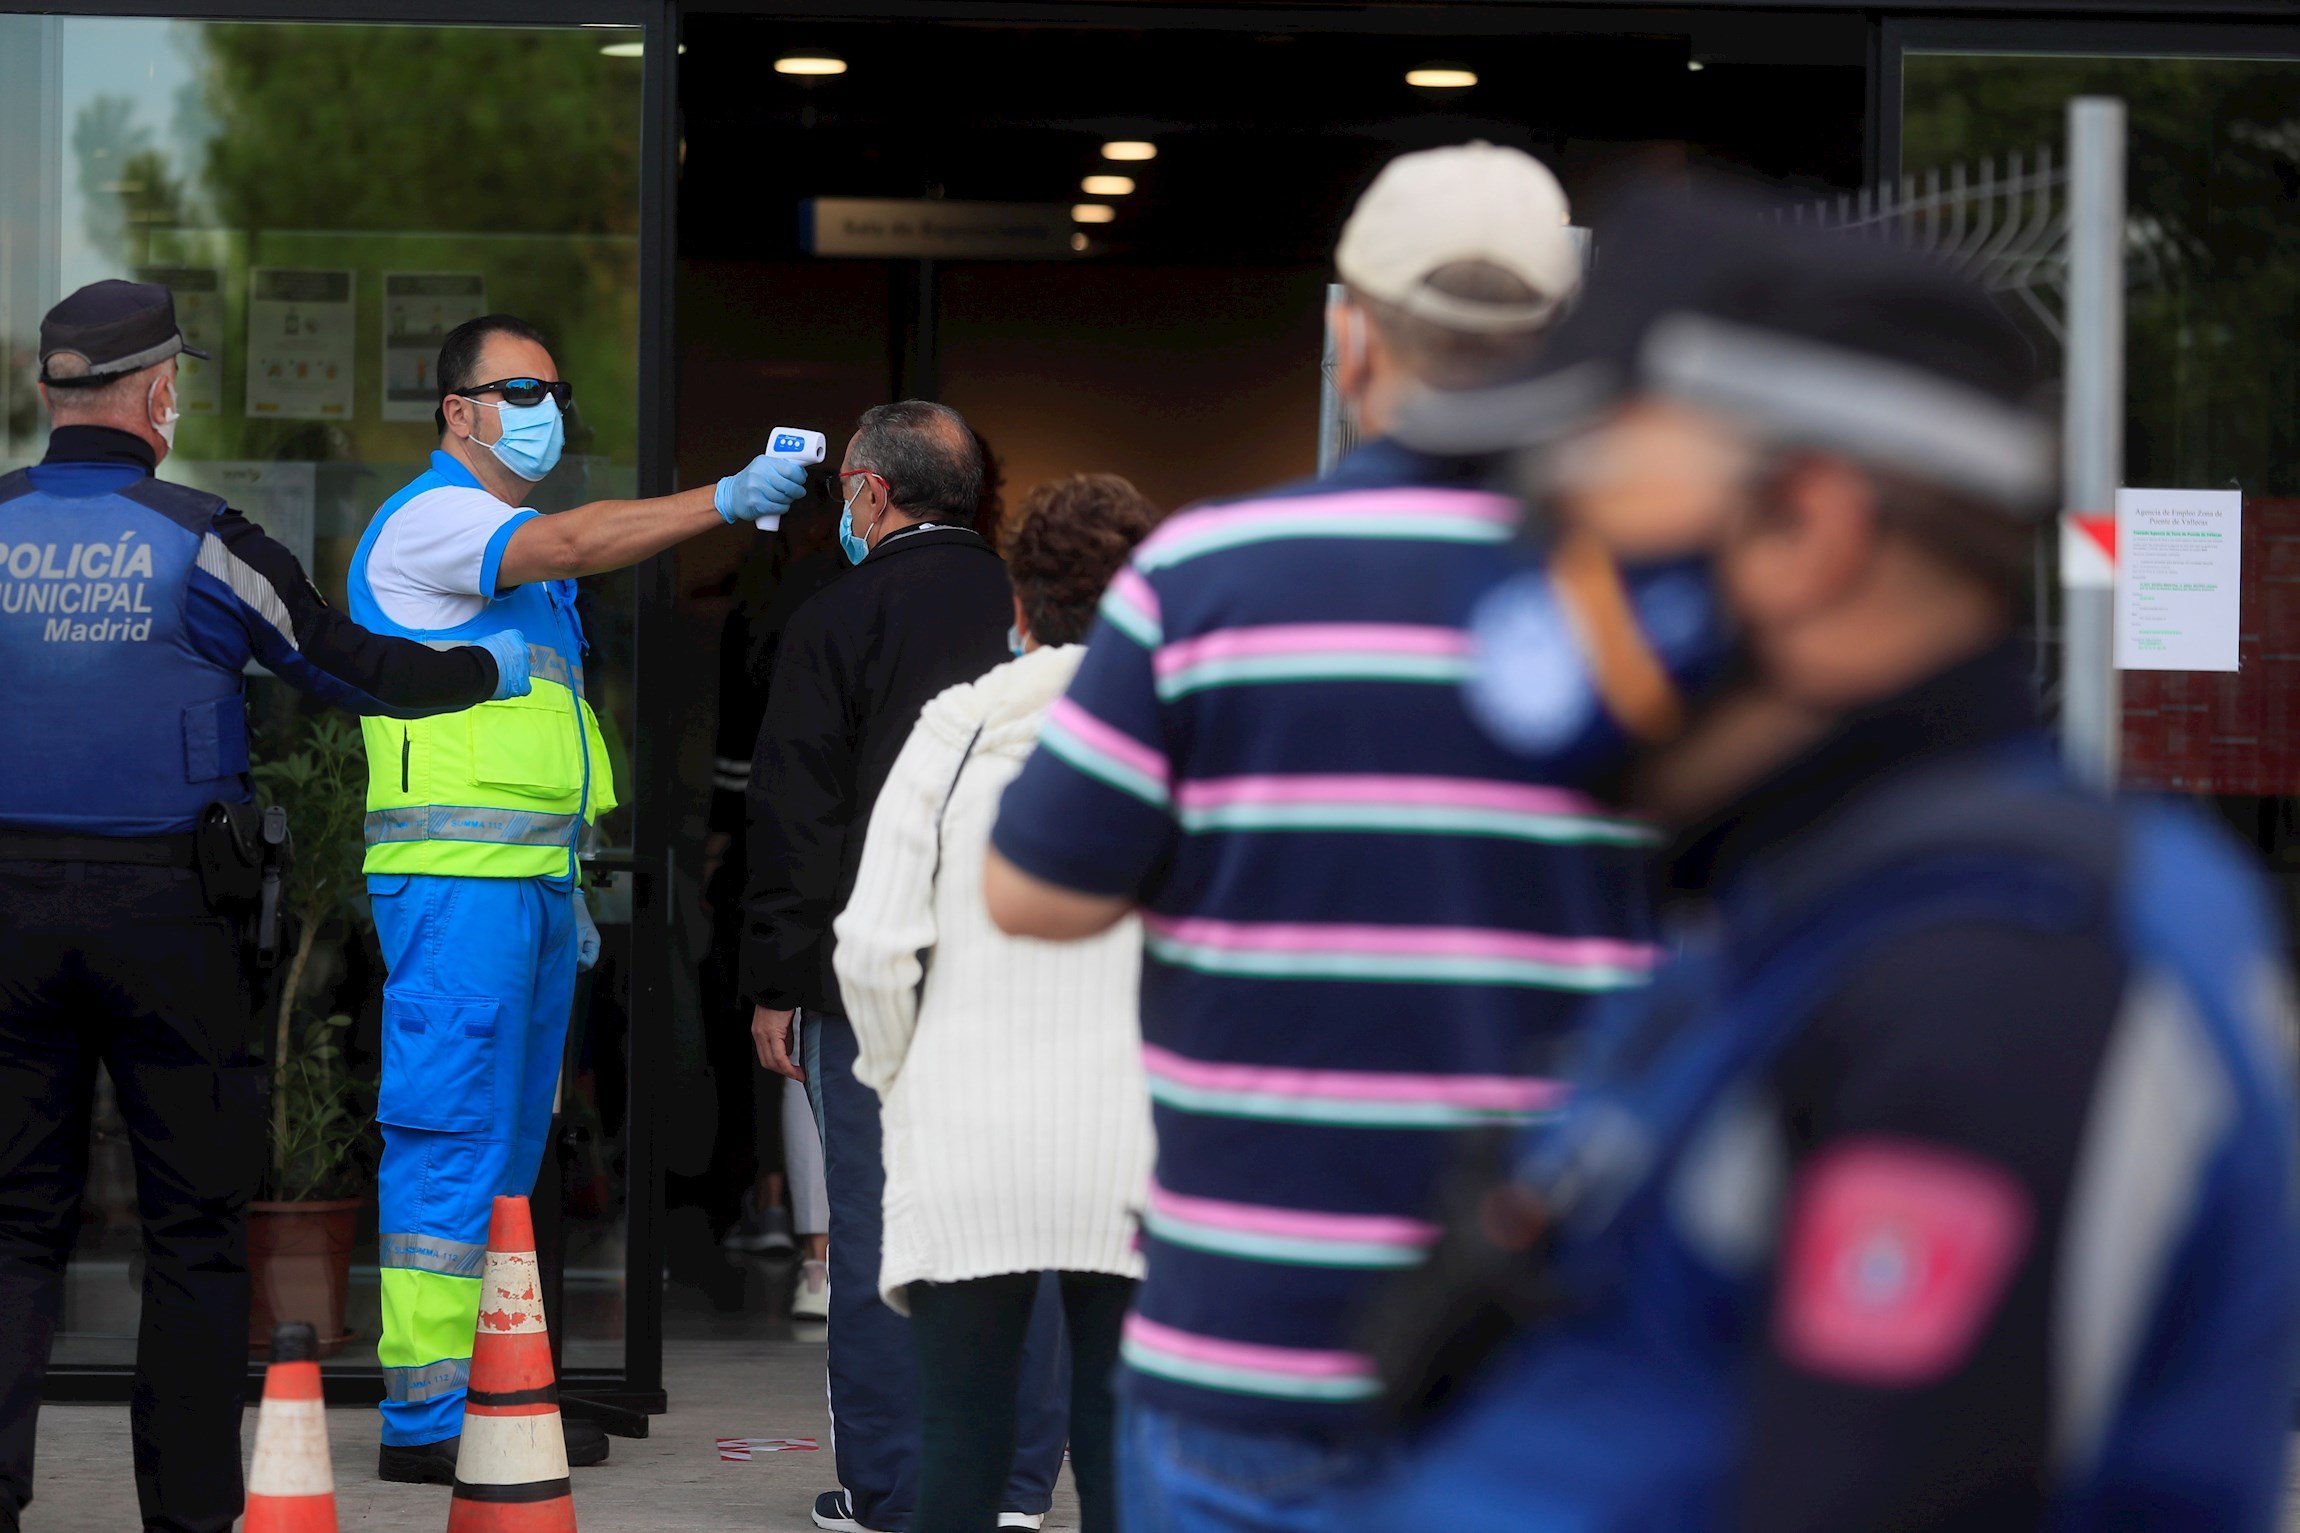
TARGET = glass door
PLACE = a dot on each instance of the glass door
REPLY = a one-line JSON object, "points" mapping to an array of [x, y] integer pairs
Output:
{"points": [[326, 200]]}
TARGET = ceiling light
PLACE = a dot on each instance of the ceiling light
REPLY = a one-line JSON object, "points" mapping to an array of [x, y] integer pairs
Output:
{"points": [[1695, 65], [810, 64], [1106, 186], [1078, 243], [1093, 213], [1130, 149], [1441, 79]]}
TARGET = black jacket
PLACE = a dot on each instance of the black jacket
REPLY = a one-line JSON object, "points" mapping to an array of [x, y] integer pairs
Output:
{"points": [[927, 610]]}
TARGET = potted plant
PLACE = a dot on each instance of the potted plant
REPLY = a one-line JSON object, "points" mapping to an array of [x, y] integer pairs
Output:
{"points": [[301, 1231]]}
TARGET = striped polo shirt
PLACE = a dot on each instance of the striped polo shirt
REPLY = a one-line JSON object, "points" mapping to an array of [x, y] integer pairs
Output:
{"points": [[1367, 926]]}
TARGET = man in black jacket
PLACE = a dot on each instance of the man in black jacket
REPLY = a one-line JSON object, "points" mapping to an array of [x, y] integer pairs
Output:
{"points": [[927, 607]]}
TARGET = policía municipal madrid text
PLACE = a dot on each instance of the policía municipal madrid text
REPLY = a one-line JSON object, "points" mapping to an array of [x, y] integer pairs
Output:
{"points": [[90, 592]]}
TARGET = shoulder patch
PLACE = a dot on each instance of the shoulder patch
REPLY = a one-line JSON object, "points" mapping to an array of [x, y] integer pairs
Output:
{"points": [[1897, 1254]]}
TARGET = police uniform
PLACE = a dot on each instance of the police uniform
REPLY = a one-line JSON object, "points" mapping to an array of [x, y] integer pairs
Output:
{"points": [[1945, 1179], [473, 826], [129, 608]]}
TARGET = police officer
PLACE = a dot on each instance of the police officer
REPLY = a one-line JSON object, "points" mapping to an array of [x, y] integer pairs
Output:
{"points": [[1946, 1180], [128, 609]]}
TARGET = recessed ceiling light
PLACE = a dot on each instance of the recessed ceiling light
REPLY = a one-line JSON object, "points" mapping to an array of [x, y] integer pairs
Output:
{"points": [[1093, 213], [1435, 78], [1695, 65], [1106, 186], [810, 64], [1078, 242], [1130, 149]]}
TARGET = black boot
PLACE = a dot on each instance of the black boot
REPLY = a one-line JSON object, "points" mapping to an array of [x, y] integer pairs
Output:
{"points": [[434, 1463]]}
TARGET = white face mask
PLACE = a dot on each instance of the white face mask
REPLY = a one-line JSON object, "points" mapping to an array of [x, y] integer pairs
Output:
{"points": [[165, 425]]}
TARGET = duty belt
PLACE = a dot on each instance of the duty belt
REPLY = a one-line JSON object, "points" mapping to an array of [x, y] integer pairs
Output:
{"points": [[138, 851]]}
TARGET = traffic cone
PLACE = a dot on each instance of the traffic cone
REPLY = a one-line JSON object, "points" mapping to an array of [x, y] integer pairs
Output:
{"points": [[511, 1472], [291, 1488]]}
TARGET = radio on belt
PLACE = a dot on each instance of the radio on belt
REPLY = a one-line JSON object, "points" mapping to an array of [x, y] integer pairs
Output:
{"points": [[800, 446]]}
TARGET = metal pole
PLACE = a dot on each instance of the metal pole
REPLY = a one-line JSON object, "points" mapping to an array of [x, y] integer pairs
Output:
{"points": [[1333, 428], [2092, 442]]}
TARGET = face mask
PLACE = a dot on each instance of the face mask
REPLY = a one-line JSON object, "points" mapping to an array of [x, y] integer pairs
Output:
{"points": [[1014, 643], [855, 548], [1582, 662], [533, 436], [164, 425]]}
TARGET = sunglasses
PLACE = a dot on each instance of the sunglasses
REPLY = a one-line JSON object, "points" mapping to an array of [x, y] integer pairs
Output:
{"points": [[521, 391]]}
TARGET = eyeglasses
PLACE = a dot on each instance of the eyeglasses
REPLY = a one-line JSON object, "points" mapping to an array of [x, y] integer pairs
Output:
{"points": [[522, 391]]}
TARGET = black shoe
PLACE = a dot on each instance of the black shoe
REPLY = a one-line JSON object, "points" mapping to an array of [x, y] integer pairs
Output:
{"points": [[434, 1463], [423, 1464]]}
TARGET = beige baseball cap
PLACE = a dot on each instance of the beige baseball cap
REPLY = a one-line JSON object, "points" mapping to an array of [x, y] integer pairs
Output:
{"points": [[1467, 202]]}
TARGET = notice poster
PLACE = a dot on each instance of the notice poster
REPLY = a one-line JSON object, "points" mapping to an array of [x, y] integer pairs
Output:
{"points": [[419, 308], [2179, 579], [281, 498], [300, 344], [199, 294]]}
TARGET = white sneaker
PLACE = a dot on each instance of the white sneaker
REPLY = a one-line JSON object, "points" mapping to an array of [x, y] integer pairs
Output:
{"points": [[1031, 1520], [811, 1299]]}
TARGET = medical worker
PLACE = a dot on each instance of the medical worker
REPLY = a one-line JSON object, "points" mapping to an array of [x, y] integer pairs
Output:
{"points": [[473, 826], [129, 608], [1945, 1180]]}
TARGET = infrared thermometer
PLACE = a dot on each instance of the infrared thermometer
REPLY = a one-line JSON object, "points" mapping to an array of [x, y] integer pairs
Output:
{"points": [[800, 446]]}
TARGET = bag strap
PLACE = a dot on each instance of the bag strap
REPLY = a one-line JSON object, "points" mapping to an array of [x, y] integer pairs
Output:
{"points": [[934, 879]]}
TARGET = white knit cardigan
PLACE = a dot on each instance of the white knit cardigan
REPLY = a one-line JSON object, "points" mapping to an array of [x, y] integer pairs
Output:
{"points": [[1016, 1118]]}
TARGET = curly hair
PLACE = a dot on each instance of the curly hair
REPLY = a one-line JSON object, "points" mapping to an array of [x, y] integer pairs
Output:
{"points": [[1062, 547]]}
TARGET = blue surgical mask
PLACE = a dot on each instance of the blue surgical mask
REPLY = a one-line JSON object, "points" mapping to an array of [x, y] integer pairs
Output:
{"points": [[533, 436], [1535, 684], [855, 546], [1014, 643]]}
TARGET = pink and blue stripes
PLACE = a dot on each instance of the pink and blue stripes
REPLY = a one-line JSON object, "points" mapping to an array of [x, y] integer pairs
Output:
{"points": [[1106, 754], [1345, 1098], [1432, 955], [1297, 1237], [1247, 1368], [1231, 657], [1131, 607], [1456, 806], [1394, 515]]}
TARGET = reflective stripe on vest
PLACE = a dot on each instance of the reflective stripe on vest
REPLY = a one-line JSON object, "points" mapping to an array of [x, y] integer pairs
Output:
{"points": [[462, 822]]}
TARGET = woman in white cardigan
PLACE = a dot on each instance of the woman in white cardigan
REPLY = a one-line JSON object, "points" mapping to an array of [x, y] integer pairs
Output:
{"points": [[1016, 1119]]}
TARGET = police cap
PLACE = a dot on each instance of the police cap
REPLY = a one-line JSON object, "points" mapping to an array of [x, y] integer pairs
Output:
{"points": [[116, 328], [1833, 341]]}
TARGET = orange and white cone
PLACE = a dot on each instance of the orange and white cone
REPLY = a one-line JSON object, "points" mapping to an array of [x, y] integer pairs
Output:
{"points": [[291, 1488], [511, 1471]]}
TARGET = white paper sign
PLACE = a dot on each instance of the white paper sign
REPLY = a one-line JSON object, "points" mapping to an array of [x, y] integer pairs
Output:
{"points": [[199, 295], [419, 308], [2179, 569], [300, 344], [280, 497]]}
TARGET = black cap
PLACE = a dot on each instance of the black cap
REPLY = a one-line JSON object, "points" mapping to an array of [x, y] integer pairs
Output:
{"points": [[1849, 344], [116, 327], [294, 1341]]}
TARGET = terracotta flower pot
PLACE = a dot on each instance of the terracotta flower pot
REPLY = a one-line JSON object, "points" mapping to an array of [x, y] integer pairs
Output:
{"points": [[299, 1256]]}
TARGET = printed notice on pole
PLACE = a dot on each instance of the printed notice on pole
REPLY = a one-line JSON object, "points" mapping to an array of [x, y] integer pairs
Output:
{"points": [[419, 308], [2179, 556], [300, 344]]}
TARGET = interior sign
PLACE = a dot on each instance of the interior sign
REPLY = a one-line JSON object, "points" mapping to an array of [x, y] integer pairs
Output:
{"points": [[2179, 579], [932, 230]]}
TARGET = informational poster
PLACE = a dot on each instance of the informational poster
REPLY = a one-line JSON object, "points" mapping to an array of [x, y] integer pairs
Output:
{"points": [[280, 497], [199, 293], [419, 308], [2179, 579], [301, 344]]}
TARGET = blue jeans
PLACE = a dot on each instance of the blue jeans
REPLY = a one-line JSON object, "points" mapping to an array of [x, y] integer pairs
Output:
{"points": [[874, 1393], [1184, 1474]]}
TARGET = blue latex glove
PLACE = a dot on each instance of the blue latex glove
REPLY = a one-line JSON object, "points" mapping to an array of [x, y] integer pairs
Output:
{"points": [[586, 933], [762, 492], [510, 651]]}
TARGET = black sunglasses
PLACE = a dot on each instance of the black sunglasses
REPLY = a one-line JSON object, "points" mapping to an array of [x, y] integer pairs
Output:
{"points": [[521, 391]]}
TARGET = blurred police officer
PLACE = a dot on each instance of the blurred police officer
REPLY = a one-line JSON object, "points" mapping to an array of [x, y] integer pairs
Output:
{"points": [[1946, 1181], [128, 610]]}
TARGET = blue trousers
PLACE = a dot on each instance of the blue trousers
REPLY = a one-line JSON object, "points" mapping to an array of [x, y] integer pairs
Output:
{"points": [[482, 978], [873, 1366], [1182, 1474]]}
